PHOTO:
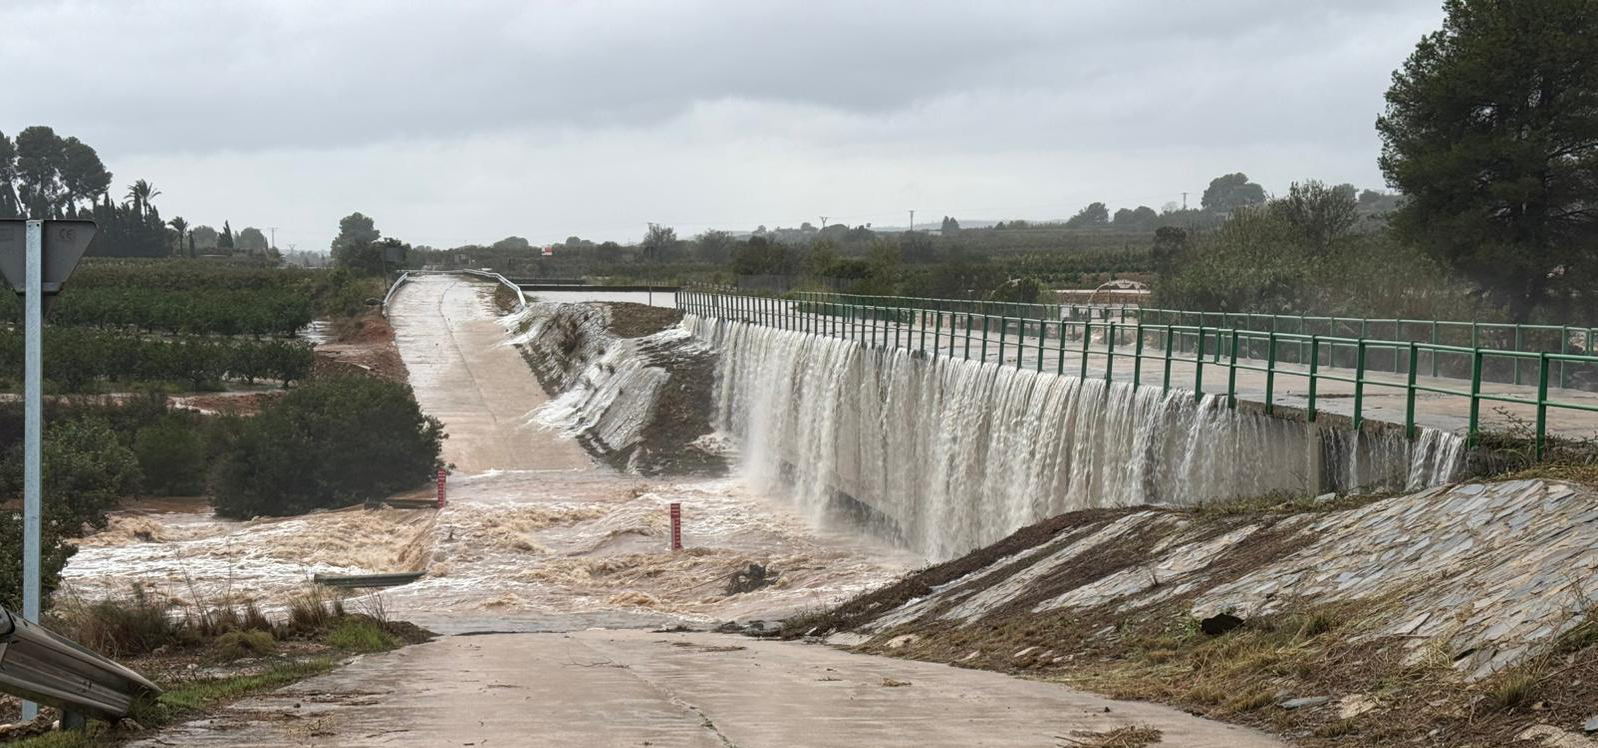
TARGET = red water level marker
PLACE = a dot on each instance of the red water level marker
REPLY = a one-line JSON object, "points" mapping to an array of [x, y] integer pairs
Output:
{"points": [[441, 475], [676, 526]]}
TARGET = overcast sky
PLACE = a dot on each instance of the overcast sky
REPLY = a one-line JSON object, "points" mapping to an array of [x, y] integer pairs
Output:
{"points": [[461, 121]]}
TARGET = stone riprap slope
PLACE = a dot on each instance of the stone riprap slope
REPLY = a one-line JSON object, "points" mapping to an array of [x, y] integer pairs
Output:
{"points": [[1467, 586], [628, 383]]}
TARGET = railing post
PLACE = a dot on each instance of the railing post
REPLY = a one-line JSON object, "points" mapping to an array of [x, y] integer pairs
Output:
{"points": [[1409, 393], [1475, 390], [1042, 332], [1198, 365], [1137, 358], [1087, 337], [1231, 374], [1270, 368], [1109, 354], [1314, 365], [1359, 383], [937, 333], [1542, 402], [1165, 384]]}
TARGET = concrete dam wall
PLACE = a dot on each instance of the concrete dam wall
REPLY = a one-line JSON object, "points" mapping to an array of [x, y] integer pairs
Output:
{"points": [[945, 455]]}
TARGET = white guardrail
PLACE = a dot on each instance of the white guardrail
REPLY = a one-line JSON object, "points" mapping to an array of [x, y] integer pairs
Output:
{"points": [[42, 666], [521, 298]]}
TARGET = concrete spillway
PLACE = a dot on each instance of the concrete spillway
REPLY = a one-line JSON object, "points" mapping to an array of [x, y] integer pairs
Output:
{"points": [[945, 455]]}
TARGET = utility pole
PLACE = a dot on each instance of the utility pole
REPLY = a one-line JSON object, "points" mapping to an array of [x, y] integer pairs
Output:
{"points": [[1184, 201], [912, 220], [823, 222], [273, 229]]}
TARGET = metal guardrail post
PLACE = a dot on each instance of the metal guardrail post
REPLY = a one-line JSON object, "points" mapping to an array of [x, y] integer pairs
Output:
{"points": [[1198, 366], [1409, 393], [1166, 385], [1359, 383], [1231, 373], [985, 338], [1109, 353], [1516, 359], [1475, 391], [1042, 330], [1137, 358], [1542, 402], [1087, 338], [1059, 367], [1314, 365], [1270, 371]]}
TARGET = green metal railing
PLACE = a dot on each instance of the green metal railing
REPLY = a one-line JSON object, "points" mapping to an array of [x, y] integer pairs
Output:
{"points": [[1388, 338], [1042, 343]]}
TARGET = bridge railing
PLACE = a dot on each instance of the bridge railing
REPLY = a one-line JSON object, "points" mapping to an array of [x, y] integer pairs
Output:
{"points": [[1388, 336], [1043, 343]]}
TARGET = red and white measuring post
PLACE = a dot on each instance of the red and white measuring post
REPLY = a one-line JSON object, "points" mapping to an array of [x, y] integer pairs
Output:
{"points": [[442, 474], [676, 526]]}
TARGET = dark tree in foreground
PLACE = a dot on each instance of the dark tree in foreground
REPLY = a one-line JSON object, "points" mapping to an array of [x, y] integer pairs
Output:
{"points": [[332, 442], [1491, 133]]}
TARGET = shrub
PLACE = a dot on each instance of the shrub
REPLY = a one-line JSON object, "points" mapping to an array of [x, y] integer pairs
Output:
{"points": [[332, 442], [361, 634], [235, 645], [171, 456]]}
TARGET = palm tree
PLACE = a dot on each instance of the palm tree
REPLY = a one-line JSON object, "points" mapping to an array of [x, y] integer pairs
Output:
{"points": [[182, 227], [141, 193]]}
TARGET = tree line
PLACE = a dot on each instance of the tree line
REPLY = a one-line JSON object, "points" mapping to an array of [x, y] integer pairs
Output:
{"points": [[44, 175], [78, 359], [256, 312]]}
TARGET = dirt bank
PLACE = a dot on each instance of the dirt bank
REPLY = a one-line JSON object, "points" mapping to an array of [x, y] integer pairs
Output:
{"points": [[1458, 616], [628, 383]]}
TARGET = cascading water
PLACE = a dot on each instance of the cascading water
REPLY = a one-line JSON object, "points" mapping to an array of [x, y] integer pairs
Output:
{"points": [[946, 454]]}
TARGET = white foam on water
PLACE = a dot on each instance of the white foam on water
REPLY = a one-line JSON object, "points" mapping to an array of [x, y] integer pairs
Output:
{"points": [[950, 454]]}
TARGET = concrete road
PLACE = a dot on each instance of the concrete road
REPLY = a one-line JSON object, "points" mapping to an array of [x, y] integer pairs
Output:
{"points": [[636, 688], [467, 375]]}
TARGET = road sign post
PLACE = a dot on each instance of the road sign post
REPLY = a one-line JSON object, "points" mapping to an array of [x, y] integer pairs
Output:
{"points": [[36, 257]]}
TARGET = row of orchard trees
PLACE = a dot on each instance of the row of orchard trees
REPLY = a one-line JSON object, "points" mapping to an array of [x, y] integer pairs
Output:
{"points": [[79, 359], [258, 313]]}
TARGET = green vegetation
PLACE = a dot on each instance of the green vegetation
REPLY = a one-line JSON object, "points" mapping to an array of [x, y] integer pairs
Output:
{"points": [[81, 359], [215, 635], [335, 441], [257, 312], [1491, 131], [86, 471]]}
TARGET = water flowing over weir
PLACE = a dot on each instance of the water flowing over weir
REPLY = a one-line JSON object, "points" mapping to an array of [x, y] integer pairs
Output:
{"points": [[946, 454]]}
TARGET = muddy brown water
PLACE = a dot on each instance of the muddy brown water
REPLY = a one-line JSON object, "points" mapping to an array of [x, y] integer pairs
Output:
{"points": [[535, 535]]}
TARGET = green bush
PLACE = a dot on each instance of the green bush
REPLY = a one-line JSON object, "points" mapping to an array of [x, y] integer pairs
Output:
{"points": [[332, 442], [86, 471], [235, 645], [360, 634], [172, 457]]}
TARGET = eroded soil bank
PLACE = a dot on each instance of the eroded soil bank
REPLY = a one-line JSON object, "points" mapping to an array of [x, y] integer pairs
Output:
{"points": [[1457, 616]]}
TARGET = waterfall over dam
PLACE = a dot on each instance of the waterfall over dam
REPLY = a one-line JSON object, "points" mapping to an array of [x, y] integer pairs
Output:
{"points": [[945, 454]]}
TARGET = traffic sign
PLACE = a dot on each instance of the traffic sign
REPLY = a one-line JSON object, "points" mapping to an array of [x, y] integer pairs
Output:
{"points": [[65, 241]]}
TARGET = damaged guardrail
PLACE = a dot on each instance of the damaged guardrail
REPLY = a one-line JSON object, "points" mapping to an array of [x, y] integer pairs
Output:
{"points": [[42, 666], [521, 298]]}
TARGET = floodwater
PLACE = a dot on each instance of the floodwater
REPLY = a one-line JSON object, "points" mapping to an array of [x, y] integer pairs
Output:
{"points": [[535, 535]]}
